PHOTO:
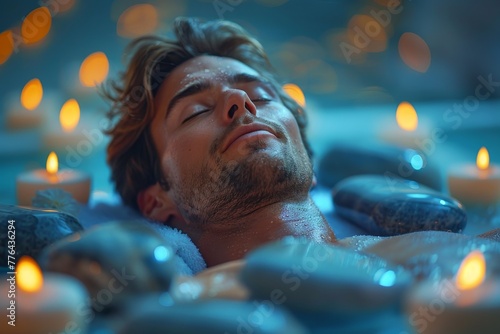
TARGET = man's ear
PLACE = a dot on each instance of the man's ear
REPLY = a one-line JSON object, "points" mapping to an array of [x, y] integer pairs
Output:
{"points": [[314, 182], [156, 204]]}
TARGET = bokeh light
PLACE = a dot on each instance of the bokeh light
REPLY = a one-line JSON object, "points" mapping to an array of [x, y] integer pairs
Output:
{"points": [[137, 20], [366, 34], [414, 52], [6, 45], [32, 94], [36, 25], [406, 116], [94, 69], [69, 115], [295, 93]]}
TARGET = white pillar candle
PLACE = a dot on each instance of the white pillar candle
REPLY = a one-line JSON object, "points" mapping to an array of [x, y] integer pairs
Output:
{"points": [[32, 303], [469, 304], [67, 132], [407, 131], [19, 118], [58, 139], [475, 184], [76, 183], [25, 111]]}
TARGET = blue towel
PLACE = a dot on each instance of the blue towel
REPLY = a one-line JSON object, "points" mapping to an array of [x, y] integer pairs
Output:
{"points": [[188, 258]]}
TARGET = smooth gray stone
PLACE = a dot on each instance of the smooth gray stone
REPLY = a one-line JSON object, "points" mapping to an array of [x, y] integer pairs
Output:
{"points": [[318, 280], [345, 160], [391, 206], [211, 317], [32, 230], [114, 261]]}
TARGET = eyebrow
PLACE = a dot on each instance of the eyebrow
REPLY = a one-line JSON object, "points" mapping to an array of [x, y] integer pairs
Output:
{"points": [[200, 86]]}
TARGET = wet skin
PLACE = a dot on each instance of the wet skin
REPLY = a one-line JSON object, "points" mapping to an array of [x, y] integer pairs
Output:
{"points": [[232, 154]]}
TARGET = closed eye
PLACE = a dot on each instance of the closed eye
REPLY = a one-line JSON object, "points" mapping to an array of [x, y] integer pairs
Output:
{"points": [[194, 115], [261, 99]]}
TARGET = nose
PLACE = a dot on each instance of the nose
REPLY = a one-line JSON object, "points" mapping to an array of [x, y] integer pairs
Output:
{"points": [[236, 104]]}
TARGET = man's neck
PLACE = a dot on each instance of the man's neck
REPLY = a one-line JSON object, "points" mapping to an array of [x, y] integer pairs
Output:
{"points": [[272, 222]]}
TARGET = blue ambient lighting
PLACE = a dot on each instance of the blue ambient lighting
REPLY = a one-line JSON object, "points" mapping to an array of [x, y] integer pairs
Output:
{"points": [[418, 195], [417, 162], [165, 299], [388, 278], [161, 253]]}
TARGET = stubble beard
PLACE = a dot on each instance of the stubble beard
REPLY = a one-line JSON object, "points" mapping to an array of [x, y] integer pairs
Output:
{"points": [[223, 191]]}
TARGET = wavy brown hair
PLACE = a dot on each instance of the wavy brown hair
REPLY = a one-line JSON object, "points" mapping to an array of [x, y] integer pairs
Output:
{"points": [[131, 153]]}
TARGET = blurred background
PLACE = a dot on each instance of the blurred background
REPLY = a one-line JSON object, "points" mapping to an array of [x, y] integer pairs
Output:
{"points": [[350, 62]]}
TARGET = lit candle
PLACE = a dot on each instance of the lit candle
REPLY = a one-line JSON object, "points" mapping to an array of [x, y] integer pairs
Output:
{"points": [[75, 182], [408, 132], [67, 133], [35, 303], [92, 71], [475, 184], [470, 303], [26, 113]]}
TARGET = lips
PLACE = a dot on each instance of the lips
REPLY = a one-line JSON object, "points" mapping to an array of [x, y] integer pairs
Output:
{"points": [[244, 130]]}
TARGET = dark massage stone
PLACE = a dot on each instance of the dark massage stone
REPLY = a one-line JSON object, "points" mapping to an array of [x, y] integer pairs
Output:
{"points": [[345, 160], [210, 317], [27, 231], [391, 206], [115, 261], [316, 280]]}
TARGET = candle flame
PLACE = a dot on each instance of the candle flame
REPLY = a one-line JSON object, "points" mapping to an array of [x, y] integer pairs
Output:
{"points": [[472, 271], [52, 163], [295, 93], [406, 116], [483, 159], [32, 94], [29, 275], [69, 115]]}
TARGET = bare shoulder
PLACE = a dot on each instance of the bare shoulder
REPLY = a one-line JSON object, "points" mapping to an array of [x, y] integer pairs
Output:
{"points": [[425, 251]]}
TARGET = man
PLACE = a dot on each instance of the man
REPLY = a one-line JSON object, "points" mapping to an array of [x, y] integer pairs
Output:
{"points": [[206, 141]]}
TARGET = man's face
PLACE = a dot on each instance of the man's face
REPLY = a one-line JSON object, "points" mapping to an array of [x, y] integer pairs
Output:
{"points": [[226, 142]]}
